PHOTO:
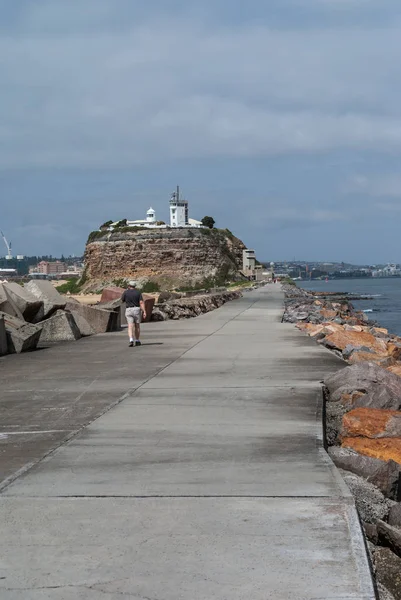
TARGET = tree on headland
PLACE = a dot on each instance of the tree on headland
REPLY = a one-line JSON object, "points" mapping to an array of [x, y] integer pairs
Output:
{"points": [[208, 222], [122, 223]]}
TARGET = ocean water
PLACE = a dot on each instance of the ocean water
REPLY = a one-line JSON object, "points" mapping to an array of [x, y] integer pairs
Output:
{"points": [[384, 306]]}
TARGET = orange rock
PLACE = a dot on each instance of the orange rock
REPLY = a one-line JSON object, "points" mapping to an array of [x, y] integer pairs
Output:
{"points": [[396, 369], [328, 314], [394, 350], [349, 399], [353, 328], [331, 327], [378, 359], [383, 448], [310, 328], [379, 330], [341, 339], [372, 423]]}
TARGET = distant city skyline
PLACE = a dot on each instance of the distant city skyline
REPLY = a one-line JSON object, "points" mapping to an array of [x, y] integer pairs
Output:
{"points": [[280, 119]]}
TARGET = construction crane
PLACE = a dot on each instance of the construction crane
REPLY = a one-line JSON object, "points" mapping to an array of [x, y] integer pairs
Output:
{"points": [[9, 255], [8, 246]]}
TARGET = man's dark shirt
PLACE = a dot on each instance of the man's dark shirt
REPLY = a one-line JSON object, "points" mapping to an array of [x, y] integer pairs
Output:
{"points": [[132, 298]]}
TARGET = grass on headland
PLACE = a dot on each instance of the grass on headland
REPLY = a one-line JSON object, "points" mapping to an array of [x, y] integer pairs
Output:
{"points": [[240, 284]]}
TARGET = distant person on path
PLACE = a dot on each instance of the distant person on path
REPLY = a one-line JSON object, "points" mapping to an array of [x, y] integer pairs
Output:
{"points": [[135, 308]]}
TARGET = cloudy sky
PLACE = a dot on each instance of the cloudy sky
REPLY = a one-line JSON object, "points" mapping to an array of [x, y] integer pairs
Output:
{"points": [[280, 118]]}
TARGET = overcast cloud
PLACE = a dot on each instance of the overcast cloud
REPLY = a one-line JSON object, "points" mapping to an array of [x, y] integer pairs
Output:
{"points": [[283, 119]]}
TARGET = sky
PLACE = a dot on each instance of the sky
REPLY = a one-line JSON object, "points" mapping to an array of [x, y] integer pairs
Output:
{"points": [[279, 118]]}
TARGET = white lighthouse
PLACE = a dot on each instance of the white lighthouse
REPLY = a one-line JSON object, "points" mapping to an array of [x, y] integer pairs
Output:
{"points": [[151, 216], [178, 210]]}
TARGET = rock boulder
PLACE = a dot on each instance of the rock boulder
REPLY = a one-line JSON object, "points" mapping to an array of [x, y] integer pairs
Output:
{"points": [[388, 570], [99, 319], [383, 448], [358, 355], [3, 337], [111, 293], [370, 502], [149, 302], [383, 474], [389, 536], [395, 369], [21, 336], [394, 516], [7, 305], [60, 327], [47, 293], [339, 340], [84, 327], [372, 423], [29, 305], [377, 387]]}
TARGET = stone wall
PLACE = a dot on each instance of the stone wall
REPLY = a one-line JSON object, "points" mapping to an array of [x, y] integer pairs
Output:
{"points": [[170, 257], [185, 308]]}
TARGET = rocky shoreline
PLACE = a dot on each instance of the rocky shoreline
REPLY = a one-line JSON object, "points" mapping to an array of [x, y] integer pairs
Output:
{"points": [[362, 415]]}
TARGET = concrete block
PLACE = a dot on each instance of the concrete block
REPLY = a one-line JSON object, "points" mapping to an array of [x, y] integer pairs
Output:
{"points": [[3, 338], [7, 304], [111, 293], [47, 293], [84, 327], [60, 327], [111, 304], [149, 302], [29, 305], [21, 336], [117, 307], [99, 319]]}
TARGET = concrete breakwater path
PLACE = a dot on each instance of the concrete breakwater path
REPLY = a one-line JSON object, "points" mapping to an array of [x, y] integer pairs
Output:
{"points": [[206, 480]]}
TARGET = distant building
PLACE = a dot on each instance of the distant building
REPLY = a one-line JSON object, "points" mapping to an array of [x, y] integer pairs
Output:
{"points": [[49, 268], [248, 260], [8, 272]]}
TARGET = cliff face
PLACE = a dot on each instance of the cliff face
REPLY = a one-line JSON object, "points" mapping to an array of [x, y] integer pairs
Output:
{"points": [[170, 257]]}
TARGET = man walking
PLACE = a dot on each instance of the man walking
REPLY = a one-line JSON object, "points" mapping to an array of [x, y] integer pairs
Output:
{"points": [[135, 308]]}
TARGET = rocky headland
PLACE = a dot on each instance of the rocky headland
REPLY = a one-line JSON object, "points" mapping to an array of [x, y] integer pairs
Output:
{"points": [[170, 258], [362, 419]]}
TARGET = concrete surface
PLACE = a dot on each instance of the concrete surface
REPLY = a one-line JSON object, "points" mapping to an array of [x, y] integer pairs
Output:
{"points": [[207, 481]]}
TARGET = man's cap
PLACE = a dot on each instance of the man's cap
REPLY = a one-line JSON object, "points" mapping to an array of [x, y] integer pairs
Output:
{"points": [[132, 283]]}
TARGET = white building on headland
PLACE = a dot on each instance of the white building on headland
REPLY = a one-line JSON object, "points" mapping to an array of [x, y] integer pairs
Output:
{"points": [[179, 216], [150, 220]]}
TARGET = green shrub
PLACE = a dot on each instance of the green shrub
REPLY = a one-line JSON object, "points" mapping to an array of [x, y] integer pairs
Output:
{"points": [[95, 235], [208, 222], [122, 282], [128, 229], [150, 287], [70, 286], [106, 225]]}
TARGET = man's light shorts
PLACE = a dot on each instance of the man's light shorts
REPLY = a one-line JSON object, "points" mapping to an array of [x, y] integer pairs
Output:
{"points": [[133, 315]]}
